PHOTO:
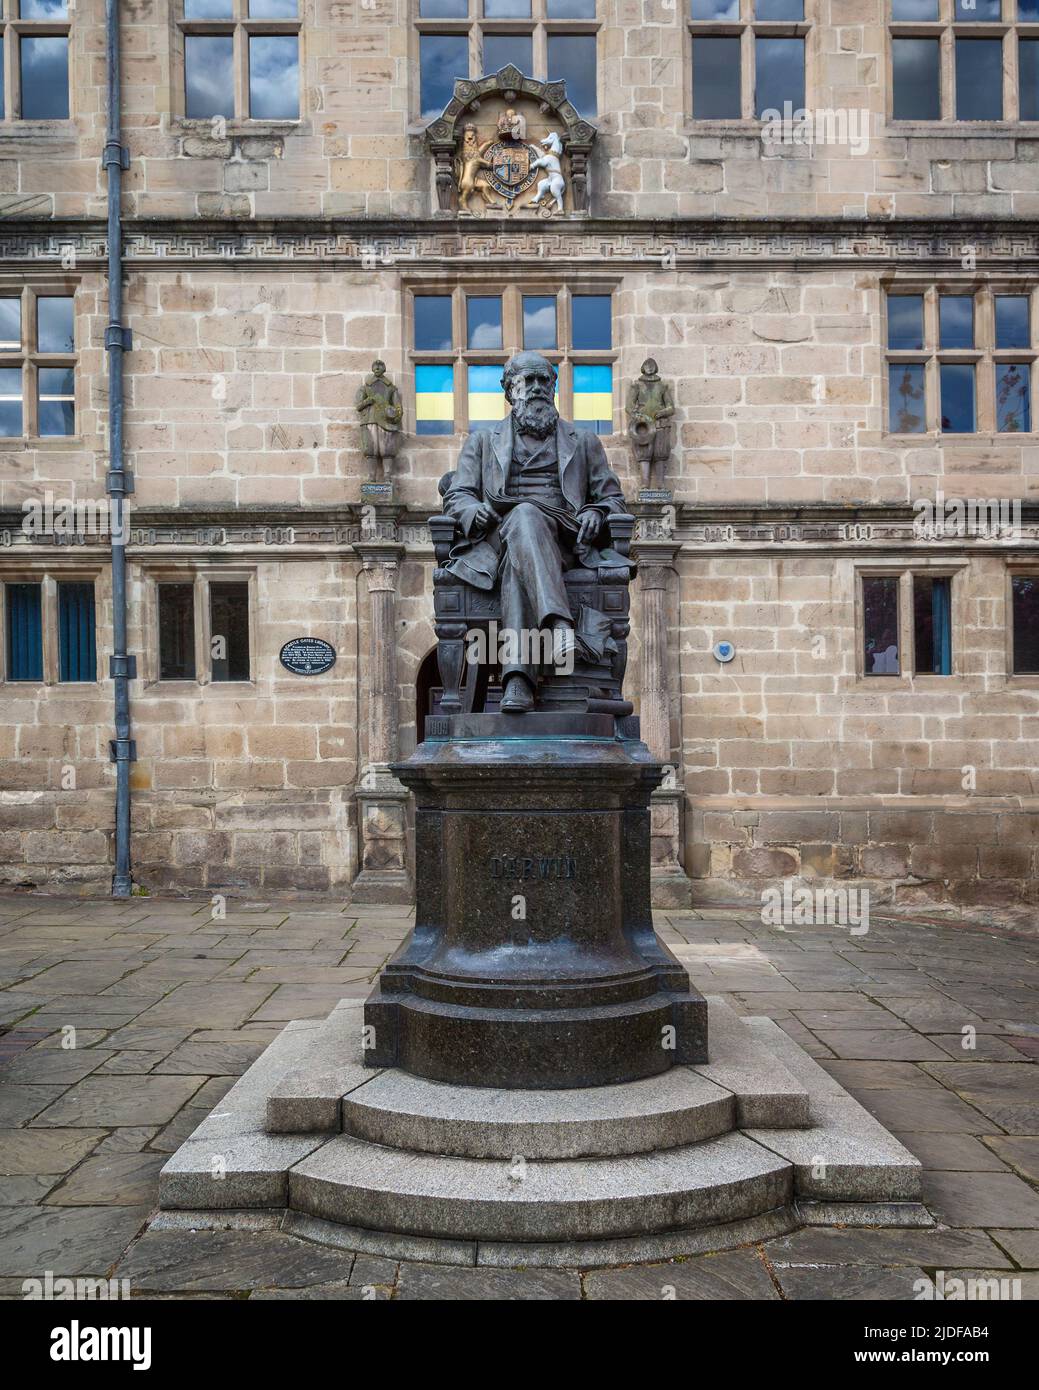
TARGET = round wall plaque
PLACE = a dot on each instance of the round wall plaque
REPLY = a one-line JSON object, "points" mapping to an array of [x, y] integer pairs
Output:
{"points": [[307, 656]]}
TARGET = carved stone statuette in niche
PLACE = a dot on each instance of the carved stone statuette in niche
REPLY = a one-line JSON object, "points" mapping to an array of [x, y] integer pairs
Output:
{"points": [[650, 409], [379, 407]]}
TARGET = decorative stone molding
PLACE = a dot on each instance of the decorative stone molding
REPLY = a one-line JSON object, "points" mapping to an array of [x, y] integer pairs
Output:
{"points": [[686, 243]]}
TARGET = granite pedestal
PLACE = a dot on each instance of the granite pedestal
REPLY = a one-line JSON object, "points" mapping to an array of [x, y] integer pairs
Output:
{"points": [[533, 962]]}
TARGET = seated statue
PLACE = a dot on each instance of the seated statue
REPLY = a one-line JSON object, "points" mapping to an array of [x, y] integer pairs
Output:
{"points": [[529, 499]]}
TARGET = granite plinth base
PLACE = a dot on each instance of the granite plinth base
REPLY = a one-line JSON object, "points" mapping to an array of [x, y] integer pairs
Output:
{"points": [[533, 962], [750, 1145]]}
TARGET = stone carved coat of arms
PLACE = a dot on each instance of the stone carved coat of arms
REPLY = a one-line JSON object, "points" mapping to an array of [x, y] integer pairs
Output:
{"points": [[508, 142]]}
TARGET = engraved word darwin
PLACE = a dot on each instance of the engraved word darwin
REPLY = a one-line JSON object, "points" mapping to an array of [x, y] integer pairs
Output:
{"points": [[525, 866]]}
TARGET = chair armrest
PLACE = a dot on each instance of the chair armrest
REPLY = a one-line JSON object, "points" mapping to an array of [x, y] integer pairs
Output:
{"points": [[442, 529], [621, 526]]}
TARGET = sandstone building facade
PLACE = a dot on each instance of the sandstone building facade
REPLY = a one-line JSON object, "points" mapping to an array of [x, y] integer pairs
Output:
{"points": [[845, 304]]}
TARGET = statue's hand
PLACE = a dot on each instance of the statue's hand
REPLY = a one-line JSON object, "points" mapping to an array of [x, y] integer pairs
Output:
{"points": [[589, 523], [484, 517]]}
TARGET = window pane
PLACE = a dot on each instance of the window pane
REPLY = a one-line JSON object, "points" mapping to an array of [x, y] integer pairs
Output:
{"points": [[176, 632], [24, 632], [444, 9], [1012, 328], [208, 75], [486, 396], [56, 401], [1026, 623], [10, 323], [714, 9], [880, 625], [915, 72], [779, 75], [593, 397], [229, 629], [505, 9], [592, 326], [483, 321], [1013, 397], [914, 9], [54, 324], [207, 9], [957, 383], [44, 9], [571, 58], [434, 399], [442, 57], [905, 322], [906, 398], [77, 657], [274, 77], [956, 321], [966, 10], [1028, 78], [716, 78], [979, 79], [932, 626], [539, 321], [45, 78], [10, 401], [779, 9], [1028, 11], [571, 9], [273, 9], [433, 322], [499, 50]]}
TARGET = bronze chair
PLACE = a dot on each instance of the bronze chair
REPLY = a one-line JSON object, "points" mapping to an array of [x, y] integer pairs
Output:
{"points": [[593, 687]]}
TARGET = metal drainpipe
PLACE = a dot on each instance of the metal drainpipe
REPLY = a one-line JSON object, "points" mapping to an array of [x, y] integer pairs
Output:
{"points": [[118, 482]]}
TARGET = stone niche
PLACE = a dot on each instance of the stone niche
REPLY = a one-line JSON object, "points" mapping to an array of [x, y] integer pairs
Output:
{"points": [[488, 137]]}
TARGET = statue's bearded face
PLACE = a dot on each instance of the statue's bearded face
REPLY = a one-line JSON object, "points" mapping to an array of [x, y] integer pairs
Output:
{"points": [[531, 393]]}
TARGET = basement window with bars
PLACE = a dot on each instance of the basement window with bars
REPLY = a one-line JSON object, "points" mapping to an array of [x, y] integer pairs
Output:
{"points": [[37, 365], [550, 40], [462, 338], [67, 608], [241, 59], [960, 360], [964, 60], [34, 60], [919, 603], [748, 57]]}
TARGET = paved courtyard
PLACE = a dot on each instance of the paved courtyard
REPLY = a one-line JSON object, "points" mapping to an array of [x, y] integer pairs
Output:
{"points": [[169, 1005]]}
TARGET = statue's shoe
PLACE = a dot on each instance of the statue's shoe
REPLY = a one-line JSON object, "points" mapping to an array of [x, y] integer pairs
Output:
{"points": [[517, 698]]}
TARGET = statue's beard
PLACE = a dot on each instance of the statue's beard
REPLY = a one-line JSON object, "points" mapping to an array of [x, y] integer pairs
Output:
{"points": [[535, 417]]}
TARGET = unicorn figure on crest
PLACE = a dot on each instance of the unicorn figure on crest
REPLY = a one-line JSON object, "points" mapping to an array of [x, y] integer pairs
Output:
{"points": [[554, 184]]}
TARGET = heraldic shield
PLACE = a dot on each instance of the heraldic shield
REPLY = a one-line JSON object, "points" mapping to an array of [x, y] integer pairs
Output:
{"points": [[511, 171]]}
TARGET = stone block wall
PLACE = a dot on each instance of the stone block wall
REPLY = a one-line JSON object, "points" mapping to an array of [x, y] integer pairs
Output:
{"points": [[797, 765], [358, 148]]}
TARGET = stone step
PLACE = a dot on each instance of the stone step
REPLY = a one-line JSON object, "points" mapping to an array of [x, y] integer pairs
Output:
{"points": [[661, 1112], [360, 1184], [768, 1094]]}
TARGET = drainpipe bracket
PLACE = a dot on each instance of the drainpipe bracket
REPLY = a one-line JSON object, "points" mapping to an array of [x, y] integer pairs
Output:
{"points": [[122, 665], [119, 482], [122, 750], [117, 154], [116, 336]]}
